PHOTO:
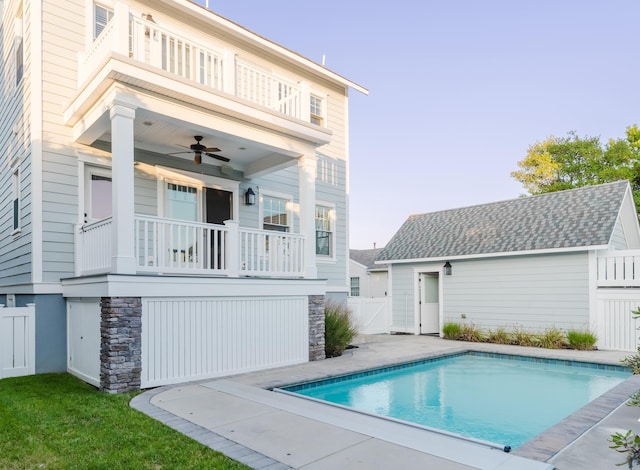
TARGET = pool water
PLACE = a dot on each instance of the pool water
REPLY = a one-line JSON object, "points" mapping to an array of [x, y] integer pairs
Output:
{"points": [[506, 400]]}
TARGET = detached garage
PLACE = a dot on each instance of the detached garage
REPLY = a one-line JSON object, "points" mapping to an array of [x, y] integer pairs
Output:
{"points": [[529, 263]]}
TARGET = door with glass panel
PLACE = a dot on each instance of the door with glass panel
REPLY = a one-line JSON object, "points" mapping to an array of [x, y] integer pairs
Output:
{"points": [[218, 208]]}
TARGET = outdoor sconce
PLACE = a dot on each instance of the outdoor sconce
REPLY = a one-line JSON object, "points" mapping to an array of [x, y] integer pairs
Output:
{"points": [[447, 269], [249, 197]]}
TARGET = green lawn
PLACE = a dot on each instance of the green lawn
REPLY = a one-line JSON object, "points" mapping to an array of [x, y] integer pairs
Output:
{"points": [[53, 421]]}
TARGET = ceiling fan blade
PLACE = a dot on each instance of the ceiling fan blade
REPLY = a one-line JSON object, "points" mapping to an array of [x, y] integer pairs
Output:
{"points": [[179, 153], [212, 149], [219, 157]]}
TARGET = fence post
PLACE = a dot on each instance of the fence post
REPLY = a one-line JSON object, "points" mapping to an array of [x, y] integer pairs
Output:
{"points": [[232, 248]]}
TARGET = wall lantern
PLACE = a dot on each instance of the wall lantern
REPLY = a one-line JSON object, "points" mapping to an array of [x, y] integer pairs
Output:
{"points": [[447, 269], [249, 197]]}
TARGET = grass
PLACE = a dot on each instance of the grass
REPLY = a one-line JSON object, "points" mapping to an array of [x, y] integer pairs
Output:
{"points": [[339, 329], [55, 421]]}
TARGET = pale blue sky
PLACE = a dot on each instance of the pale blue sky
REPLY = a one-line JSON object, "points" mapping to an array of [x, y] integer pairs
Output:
{"points": [[459, 89]]}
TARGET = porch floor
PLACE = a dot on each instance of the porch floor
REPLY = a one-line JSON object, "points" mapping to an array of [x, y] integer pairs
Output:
{"points": [[262, 429]]}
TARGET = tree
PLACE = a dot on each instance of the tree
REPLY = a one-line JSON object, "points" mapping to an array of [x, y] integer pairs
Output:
{"points": [[572, 161]]}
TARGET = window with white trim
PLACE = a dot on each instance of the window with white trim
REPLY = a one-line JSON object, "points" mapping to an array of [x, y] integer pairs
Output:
{"points": [[19, 45], [15, 178], [316, 110], [275, 214], [324, 231], [98, 190], [355, 287], [101, 17]]}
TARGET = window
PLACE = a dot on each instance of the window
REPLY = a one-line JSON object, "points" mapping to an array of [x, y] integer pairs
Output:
{"points": [[275, 214], [97, 194], [16, 200], [316, 110], [101, 17], [355, 287], [19, 45], [324, 233], [182, 202]]}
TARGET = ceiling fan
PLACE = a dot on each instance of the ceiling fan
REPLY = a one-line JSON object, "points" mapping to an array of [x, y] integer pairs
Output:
{"points": [[198, 149]]}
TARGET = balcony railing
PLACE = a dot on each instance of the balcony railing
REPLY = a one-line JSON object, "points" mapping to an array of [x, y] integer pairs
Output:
{"points": [[193, 59], [177, 247], [619, 269]]}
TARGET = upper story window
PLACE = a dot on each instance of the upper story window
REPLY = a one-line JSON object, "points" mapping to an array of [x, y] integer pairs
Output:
{"points": [[275, 214], [324, 232], [19, 45], [316, 110], [101, 17], [15, 178]]}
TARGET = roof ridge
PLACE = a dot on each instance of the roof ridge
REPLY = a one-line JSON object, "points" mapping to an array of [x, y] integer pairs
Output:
{"points": [[521, 198]]}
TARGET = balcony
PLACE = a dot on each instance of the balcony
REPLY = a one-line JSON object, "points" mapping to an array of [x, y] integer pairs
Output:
{"points": [[165, 246], [195, 60]]}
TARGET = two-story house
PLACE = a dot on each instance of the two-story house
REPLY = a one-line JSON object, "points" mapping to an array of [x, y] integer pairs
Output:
{"points": [[174, 191]]}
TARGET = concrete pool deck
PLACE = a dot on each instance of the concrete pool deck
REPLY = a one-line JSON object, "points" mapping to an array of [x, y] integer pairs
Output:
{"points": [[241, 418]]}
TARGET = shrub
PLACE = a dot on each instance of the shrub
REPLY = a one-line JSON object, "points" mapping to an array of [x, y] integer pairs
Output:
{"points": [[552, 338], [451, 331], [499, 336], [633, 361], [339, 329], [584, 340], [523, 338], [470, 332]]}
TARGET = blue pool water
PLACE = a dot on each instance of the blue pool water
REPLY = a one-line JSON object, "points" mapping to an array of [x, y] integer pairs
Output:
{"points": [[503, 399]]}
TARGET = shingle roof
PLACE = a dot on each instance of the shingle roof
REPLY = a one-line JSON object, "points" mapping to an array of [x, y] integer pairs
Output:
{"points": [[566, 219], [366, 257]]}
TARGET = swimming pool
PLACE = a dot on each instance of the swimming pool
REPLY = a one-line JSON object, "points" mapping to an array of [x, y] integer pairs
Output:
{"points": [[504, 399]]}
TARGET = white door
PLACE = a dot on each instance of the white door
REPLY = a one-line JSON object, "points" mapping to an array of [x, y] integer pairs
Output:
{"points": [[83, 327], [429, 304]]}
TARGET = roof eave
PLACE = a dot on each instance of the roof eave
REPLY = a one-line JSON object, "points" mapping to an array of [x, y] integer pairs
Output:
{"points": [[495, 255]]}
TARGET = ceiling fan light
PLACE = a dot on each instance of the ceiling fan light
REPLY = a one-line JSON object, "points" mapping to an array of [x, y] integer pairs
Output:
{"points": [[197, 158]]}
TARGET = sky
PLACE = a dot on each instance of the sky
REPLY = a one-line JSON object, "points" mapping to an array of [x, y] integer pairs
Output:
{"points": [[458, 90]]}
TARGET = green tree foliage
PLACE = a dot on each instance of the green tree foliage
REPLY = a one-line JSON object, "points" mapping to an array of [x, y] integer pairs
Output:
{"points": [[559, 163]]}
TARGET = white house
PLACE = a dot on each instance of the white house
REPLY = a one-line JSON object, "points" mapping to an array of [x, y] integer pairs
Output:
{"points": [[552, 260], [174, 187], [367, 279]]}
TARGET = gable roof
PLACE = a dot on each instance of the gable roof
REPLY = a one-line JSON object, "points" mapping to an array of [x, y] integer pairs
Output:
{"points": [[583, 217], [367, 258]]}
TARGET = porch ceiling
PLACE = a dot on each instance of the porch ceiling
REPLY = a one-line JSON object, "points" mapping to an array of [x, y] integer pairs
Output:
{"points": [[169, 113]]}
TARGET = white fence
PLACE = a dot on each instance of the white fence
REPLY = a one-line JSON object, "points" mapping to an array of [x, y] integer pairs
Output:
{"points": [[371, 314], [17, 341], [616, 327], [619, 268]]}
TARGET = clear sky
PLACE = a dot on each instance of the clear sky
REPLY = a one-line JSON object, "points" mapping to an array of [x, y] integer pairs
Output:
{"points": [[459, 89]]}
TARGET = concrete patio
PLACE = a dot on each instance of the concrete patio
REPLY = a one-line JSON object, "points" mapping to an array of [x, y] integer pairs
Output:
{"points": [[240, 417]]}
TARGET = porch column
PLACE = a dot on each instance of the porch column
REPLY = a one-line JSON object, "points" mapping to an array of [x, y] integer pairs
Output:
{"points": [[307, 181], [123, 259]]}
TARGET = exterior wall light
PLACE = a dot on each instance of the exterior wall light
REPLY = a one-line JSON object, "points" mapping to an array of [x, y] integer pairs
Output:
{"points": [[447, 269], [249, 197]]}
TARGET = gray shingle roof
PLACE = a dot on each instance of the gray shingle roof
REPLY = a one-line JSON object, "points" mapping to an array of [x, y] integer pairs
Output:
{"points": [[366, 257], [566, 219]]}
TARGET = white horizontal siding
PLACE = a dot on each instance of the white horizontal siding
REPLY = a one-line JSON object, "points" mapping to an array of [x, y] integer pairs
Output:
{"points": [[528, 292], [189, 339]]}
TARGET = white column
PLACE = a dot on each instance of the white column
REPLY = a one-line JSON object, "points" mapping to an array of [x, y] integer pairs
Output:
{"points": [[307, 169], [232, 248], [123, 259]]}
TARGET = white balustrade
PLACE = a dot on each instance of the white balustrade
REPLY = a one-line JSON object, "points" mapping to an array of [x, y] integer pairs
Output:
{"points": [[191, 59], [619, 268], [176, 246]]}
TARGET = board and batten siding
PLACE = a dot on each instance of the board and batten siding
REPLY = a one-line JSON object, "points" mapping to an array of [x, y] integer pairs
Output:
{"points": [[190, 339]]}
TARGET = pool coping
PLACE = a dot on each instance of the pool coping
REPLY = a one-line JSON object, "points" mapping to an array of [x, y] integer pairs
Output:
{"points": [[380, 351]]}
